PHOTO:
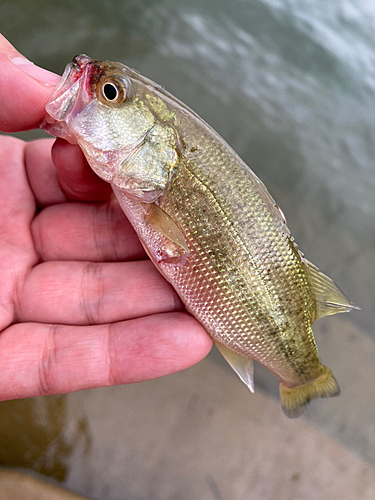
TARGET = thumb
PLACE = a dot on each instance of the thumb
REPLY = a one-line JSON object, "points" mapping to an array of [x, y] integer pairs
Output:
{"points": [[24, 90]]}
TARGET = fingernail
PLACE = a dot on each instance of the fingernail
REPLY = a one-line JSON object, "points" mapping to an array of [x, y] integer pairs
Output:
{"points": [[41, 75]]}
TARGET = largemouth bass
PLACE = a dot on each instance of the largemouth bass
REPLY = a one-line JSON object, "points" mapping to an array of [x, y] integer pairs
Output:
{"points": [[206, 221]]}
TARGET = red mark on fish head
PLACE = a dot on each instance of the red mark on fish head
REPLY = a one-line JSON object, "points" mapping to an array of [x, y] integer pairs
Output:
{"points": [[88, 70]]}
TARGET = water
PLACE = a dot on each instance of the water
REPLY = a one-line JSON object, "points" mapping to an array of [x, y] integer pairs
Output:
{"points": [[291, 86]]}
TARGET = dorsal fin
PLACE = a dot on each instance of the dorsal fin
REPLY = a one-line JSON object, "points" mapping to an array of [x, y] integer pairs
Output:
{"points": [[329, 298], [244, 367]]}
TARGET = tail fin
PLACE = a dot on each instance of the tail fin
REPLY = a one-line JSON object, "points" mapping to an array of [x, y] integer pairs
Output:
{"points": [[295, 399]]}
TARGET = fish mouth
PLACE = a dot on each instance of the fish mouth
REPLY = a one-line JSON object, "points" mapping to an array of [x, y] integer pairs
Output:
{"points": [[73, 93]]}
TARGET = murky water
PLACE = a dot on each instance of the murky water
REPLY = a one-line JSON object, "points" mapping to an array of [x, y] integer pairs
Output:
{"points": [[33, 434], [290, 84]]}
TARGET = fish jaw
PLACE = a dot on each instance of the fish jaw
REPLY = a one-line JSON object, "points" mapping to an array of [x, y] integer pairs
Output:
{"points": [[70, 97]]}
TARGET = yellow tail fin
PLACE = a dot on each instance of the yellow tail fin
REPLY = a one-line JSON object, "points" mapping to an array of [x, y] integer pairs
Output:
{"points": [[295, 399]]}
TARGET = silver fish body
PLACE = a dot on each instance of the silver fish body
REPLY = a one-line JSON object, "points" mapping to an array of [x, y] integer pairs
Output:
{"points": [[207, 222]]}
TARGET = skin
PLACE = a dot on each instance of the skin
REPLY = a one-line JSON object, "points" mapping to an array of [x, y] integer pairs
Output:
{"points": [[81, 306]]}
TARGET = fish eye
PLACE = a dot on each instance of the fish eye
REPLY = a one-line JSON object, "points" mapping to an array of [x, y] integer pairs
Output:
{"points": [[112, 91]]}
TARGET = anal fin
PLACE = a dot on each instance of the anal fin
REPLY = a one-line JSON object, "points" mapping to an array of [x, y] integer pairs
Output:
{"points": [[329, 298], [244, 367]]}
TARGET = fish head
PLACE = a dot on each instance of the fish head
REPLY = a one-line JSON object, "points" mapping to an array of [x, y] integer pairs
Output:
{"points": [[120, 120]]}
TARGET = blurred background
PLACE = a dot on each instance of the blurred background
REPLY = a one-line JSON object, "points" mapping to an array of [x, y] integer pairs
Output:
{"points": [[290, 85]]}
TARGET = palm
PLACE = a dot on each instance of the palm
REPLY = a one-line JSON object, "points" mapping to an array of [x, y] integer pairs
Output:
{"points": [[81, 305]]}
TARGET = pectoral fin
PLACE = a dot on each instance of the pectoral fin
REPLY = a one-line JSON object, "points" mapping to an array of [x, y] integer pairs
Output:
{"points": [[164, 224], [244, 367], [329, 298]]}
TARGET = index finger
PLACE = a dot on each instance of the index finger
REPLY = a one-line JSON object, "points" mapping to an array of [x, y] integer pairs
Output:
{"points": [[24, 90]]}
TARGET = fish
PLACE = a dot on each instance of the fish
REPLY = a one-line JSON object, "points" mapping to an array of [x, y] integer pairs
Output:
{"points": [[206, 221]]}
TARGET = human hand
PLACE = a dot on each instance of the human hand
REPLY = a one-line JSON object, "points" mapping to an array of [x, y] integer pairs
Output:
{"points": [[81, 306]]}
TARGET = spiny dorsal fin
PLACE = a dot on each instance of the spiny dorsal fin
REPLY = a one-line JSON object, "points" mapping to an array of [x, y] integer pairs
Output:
{"points": [[329, 298], [244, 367]]}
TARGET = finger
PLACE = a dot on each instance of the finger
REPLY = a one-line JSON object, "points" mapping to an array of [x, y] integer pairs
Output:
{"points": [[84, 293], [54, 359], [24, 90], [17, 206], [85, 231], [77, 179], [42, 174]]}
